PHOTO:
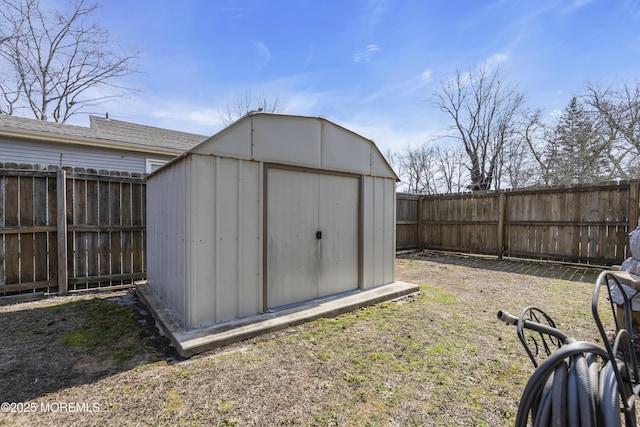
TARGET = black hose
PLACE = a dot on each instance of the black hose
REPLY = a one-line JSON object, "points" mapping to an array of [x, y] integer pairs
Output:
{"points": [[543, 413], [573, 415], [609, 401], [534, 395], [586, 391], [592, 362], [567, 389], [559, 396], [534, 326]]}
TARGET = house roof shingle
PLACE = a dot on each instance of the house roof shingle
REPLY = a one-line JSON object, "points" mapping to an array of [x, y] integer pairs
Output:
{"points": [[103, 132]]}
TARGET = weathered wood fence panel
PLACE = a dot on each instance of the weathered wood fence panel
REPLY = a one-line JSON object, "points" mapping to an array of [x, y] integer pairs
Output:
{"points": [[585, 224], [577, 224], [458, 221], [407, 221], [97, 242]]}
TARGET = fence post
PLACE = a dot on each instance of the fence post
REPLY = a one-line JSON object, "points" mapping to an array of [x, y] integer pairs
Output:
{"points": [[633, 205], [501, 212], [61, 214], [420, 233]]}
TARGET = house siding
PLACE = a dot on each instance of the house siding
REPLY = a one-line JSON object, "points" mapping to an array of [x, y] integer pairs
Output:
{"points": [[48, 153]]}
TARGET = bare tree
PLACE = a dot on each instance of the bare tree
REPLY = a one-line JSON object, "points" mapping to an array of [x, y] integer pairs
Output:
{"points": [[55, 63], [417, 167], [484, 109], [393, 159], [618, 108], [517, 165], [451, 171], [534, 134], [234, 110]]}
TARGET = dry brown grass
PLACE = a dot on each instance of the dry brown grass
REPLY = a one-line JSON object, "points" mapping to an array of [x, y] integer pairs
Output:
{"points": [[437, 359]]}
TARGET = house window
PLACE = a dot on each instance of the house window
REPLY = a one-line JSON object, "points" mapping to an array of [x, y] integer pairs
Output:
{"points": [[153, 164]]}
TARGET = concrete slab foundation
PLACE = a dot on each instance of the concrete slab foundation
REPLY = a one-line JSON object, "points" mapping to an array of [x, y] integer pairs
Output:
{"points": [[191, 342]]}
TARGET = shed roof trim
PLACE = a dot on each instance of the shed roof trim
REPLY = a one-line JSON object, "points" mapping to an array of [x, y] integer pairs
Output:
{"points": [[313, 142]]}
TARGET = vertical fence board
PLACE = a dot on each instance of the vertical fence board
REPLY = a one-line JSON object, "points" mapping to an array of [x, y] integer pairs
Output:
{"points": [[52, 220], [3, 183], [40, 253], [127, 244], [79, 237], [62, 213], [12, 244], [92, 218], [137, 200], [115, 253], [26, 239], [104, 240], [69, 200]]}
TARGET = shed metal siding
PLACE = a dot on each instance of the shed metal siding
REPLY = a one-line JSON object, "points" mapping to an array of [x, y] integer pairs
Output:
{"points": [[378, 231], [225, 226], [287, 141], [202, 286], [48, 153], [342, 152], [167, 236], [233, 141]]}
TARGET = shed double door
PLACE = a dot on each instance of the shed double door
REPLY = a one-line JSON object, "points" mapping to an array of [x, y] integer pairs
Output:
{"points": [[312, 235]]}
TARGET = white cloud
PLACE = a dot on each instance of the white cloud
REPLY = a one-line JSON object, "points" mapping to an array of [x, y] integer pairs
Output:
{"points": [[308, 59], [570, 7], [417, 82], [237, 12], [389, 134], [632, 7], [375, 10], [496, 59], [304, 102], [407, 87], [487, 65], [263, 52], [205, 117], [555, 113], [577, 4], [168, 113], [366, 54]]}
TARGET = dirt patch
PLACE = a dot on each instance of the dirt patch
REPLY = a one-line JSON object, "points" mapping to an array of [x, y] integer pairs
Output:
{"points": [[440, 358], [56, 343]]}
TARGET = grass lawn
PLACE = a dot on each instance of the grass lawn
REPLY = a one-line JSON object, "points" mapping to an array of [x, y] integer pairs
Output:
{"points": [[440, 358]]}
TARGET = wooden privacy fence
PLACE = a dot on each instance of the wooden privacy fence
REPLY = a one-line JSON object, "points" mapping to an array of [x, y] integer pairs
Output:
{"points": [[64, 231], [584, 224]]}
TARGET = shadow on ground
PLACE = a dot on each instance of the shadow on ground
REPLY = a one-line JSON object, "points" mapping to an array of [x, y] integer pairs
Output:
{"points": [[57, 343], [545, 269]]}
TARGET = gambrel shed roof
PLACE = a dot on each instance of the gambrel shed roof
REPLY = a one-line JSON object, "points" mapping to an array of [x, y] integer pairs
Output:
{"points": [[312, 142]]}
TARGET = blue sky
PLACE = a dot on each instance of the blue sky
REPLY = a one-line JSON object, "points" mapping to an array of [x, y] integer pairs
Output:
{"points": [[369, 65]]}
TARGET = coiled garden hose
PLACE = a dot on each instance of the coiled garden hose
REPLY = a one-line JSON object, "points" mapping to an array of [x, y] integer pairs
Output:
{"points": [[562, 392], [568, 388]]}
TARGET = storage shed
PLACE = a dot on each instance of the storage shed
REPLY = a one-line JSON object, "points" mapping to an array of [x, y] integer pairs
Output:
{"points": [[271, 212]]}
